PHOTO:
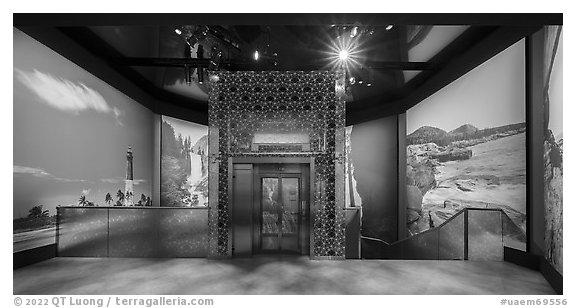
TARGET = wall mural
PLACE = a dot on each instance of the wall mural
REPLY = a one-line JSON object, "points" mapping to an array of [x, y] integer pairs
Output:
{"points": [[553, 147], [373, 170], [353, 198], [72, 133], [184, 166], [466, 147], [245, 109]]}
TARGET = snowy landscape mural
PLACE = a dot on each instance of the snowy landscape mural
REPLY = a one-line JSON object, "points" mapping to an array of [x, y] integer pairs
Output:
{"points": [[72, 132], [466, 147], [184, 169]]}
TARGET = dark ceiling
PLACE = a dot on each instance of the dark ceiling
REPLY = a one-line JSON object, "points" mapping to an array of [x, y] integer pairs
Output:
{"points": [[397, 59]]}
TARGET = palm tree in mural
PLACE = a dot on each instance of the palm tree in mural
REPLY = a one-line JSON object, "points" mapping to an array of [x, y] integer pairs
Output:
{"points": [[120, 196], [38, 212], [82, 201], [142, 201], [108, 199]]}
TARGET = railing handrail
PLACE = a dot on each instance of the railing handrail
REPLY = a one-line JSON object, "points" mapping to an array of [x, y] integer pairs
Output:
{"points": [[460, 212]]}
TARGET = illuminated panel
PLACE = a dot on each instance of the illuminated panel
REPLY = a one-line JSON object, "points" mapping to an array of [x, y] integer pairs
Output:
{"points": [[82, 232], [485, 235], [451, 239]]}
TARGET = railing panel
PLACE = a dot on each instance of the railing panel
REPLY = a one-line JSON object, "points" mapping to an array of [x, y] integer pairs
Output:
{"points": [[451, 239], [513, 236], [184, 233], [485, 235], [134, 232], [421, 247], [82, 232]]}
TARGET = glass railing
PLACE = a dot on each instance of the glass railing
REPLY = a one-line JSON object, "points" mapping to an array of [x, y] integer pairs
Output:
{"points": [[472, 234], [160, 232]]}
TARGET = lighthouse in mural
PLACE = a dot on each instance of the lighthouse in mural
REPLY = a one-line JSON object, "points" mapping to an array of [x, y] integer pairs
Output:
{"points": [[129, 191]]}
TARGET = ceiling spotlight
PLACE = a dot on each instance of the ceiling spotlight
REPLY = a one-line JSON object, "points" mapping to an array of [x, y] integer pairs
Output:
{"points": [[368, 84], [354, 32], [256, 55], [188, 74], [352, 80], [343, 55], [389, 27], [360, 81], [214, 78], [178, 31], [200, 72]]}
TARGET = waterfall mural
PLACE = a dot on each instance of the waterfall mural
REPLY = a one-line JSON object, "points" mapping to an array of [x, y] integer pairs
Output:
{"points": [[184, 166]]}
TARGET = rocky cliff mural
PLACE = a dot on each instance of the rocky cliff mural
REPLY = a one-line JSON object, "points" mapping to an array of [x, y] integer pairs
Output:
{"points": [[480, 169], [466, 148], [184, 166], [553, 148]]}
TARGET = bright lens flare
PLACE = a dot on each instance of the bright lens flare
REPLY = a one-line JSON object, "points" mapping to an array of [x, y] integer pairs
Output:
{"points": [[342, 53]]}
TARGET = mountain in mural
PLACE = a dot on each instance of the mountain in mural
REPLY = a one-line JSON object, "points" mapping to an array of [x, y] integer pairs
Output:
{"points": [[426, 134], [467, 168], [467, 134], [463, 130]]}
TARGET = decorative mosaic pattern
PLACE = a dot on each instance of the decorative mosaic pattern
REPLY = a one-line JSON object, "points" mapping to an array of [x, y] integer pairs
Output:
{"points": [[242, 104]]}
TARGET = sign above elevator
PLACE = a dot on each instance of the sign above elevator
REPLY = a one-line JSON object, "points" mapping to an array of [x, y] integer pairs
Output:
{"points": [[275, 142]]}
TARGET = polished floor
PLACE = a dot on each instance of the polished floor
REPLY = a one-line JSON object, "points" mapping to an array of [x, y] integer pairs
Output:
{"points": [[275, 275]]}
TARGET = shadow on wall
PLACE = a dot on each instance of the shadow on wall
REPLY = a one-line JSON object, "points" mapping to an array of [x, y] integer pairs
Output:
{"points": [[374, 154]]}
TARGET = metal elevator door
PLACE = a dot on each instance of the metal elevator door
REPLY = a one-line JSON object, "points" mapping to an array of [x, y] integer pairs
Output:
{"points": [[280, 213], [270, 211]]}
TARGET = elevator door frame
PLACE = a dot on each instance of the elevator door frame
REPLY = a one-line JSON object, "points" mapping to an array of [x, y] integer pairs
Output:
{"points": [[308, 161]]}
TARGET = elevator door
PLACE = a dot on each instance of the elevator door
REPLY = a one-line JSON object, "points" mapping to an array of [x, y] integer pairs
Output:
{"points": [[280, 215]]}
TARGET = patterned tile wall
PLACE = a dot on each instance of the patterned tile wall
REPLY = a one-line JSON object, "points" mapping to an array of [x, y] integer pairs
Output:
{"points": [[242, 104]]}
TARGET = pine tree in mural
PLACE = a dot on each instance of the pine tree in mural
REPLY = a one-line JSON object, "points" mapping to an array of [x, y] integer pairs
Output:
{"points": [[175, 167]]}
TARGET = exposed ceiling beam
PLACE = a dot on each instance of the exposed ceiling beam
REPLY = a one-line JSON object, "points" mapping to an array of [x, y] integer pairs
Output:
{"points": [[194, 62], [374, 19], [163, 62]]}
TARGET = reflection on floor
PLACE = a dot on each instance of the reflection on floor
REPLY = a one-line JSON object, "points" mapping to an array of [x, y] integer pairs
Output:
{"points": [[275, 275]]}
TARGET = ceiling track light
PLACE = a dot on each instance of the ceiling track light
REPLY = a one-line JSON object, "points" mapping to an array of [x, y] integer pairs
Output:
{"points": [[256, 55], [354, 32], [200, 72], [188, 74], [178, 31], [389, 27]]}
